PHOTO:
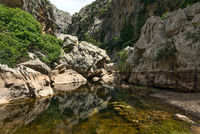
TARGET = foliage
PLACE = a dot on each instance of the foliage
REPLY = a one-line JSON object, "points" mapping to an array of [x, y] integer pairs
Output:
{"points": [[102, 12], [51, 48], [195, 37], [186, 3], [163, 16], [122, 56], [167, 51], [127, 35], [11, 50], [21, 33], [110, 44]]}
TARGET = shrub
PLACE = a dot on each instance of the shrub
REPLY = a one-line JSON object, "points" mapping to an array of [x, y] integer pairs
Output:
{"points": [[122, 65], [186, 3], [195, 37], [21, 33], [163, 16], [11, 50], [167, 51]]}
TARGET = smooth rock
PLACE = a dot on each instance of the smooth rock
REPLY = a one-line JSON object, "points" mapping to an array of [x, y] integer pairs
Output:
{"points": [[184, 118], [22, 82], [38, 66], [95, 78], [69, 76]]}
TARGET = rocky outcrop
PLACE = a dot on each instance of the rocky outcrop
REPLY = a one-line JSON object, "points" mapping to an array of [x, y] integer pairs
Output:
{"points": [[167, 53], [62, 19], [22, 82], [62, 79], [83, 57], [104, 19], [43, 11], [37, 65]]}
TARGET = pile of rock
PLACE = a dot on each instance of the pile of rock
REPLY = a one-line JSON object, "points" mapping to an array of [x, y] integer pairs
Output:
{"points": [[83, 57]]}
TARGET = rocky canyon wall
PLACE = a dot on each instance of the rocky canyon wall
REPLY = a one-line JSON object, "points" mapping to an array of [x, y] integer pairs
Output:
{"points": [[104, 19], [167, 53], [52, 19]]}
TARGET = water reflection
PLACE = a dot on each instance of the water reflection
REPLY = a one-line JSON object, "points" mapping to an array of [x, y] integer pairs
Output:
{"points": [[92, 108], [22, 112]]}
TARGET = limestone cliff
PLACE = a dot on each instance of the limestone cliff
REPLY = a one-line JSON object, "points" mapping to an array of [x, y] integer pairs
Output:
{"points": [[167, 53], [104, 19], [52, 19]]}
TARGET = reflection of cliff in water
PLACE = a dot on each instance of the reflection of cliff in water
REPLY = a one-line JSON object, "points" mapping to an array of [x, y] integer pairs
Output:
{"points": [[80, 104], [16, 114], [67, 109]]}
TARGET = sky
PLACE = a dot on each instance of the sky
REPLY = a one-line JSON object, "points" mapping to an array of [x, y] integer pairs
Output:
{"points": [[70, 6]]}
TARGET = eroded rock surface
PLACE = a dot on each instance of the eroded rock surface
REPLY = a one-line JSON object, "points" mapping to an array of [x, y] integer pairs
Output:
{"points": [[38, 66], [67, 77], [84, 58], [22, 82], [167, 53], [51, 18]]}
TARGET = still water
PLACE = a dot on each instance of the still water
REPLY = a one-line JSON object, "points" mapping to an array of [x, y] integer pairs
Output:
{"points": [[91, 109]]}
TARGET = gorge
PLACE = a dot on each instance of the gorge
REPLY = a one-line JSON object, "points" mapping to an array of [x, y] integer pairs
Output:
{"points": [[125, 65]]}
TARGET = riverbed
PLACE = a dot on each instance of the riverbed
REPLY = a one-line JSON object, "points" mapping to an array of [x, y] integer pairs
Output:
{"points": [[93, 109]]}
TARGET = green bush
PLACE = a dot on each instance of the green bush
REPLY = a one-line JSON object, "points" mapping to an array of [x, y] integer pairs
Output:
{"points": [[21, 33], [122, 64], [186, 3], [194, 37], [167, 51], [163, 16], [11, 50]]}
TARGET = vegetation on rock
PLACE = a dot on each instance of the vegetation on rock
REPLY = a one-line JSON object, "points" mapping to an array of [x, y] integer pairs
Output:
{"points": [[167, 51], [20, 33], [122, 64], [186, 3], [194, 37]]}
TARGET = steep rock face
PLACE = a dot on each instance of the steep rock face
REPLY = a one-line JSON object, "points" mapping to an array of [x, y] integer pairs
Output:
{"points": [[22, 82], [83, 57], [51, 19], [167, 53], [104, 19], [62, 19]]}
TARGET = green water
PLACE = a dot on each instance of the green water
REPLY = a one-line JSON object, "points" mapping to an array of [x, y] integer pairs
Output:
{"points": [[91, 110]]}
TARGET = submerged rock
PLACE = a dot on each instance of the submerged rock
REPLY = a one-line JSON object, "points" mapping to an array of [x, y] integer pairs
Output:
{"points": [[22, 82], [184, 118]]}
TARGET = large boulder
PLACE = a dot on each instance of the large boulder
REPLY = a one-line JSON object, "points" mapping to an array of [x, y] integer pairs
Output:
{"points": [[22, 82], [38, 66], [67, 77], [69, 40], [167, 53], [84, 57]]}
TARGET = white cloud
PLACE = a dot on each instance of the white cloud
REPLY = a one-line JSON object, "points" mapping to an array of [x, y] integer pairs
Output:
{"points": [[70, 6]]}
